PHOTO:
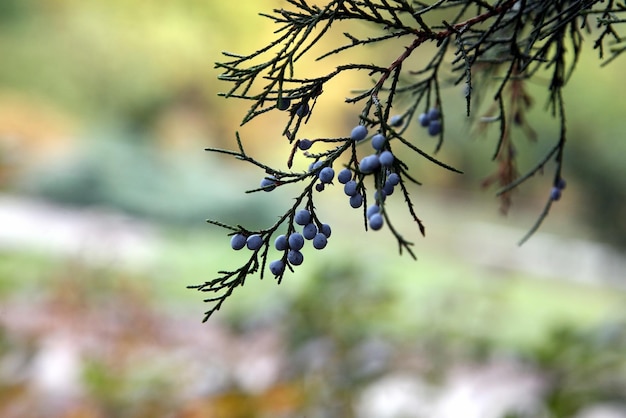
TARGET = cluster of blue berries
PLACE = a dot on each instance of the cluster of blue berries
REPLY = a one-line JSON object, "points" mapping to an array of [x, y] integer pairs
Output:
{"points": [[557, 189], [431, 120], [293, 243]]}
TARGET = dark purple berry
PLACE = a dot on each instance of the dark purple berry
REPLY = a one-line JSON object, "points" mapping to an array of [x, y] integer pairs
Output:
{"points": [[295, 257], [378, 142], [356, 201], [386, 158], [254, 242], [305, 144], [281, 243], [376, 221], [302, 110], [309, 231], [423, 119], [326, 175], [283, 103], [326, 230], [319, 187], [238, 241], [277, 267], [561, 183], [434, 128], [296, 241], [302, 217], [320, 241], [358, 133], [344, 176]]}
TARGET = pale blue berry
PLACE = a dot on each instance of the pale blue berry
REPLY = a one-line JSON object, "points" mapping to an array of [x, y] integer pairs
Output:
{"points": [[326, 175], [254, 242], [281, 243], [344, 176], [302, 217], [268, 184], [378, 142], [369, 164], [376, 221], [320, 241], [350, 188], [434, 128], [372, 210], [386, 158], [309, 231], [296, 241], [434, 114], [393, 179], [238, 241], [356, 201], [396, 120], [358, 133], [423, 119], [277, 267], [295, 257], [555, 193]]}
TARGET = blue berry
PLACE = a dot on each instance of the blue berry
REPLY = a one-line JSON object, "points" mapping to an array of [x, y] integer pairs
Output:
{"points": [[423, 119], [356, 201], [396, 120], [388, 188], [369, 164], [302, 217], [296, 241], [376, 221], [281, 243], [434, 114], [238, 241], [434, 128], [561, 183], [344, 176], [268, 184], [254, 242], [315, 166], [326, 230], [277, 267], [555, 193], [350, 188], [358, 133], [303, 110], [386, 158], [309, 231], [378, 142], [283, 103], [305, 144], [295, 257], [320, 241], [372, 210], [393, 179], [380, 195], [326, 175]]}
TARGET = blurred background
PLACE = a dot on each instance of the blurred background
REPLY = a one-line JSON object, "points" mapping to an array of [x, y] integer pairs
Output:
{"points": [[105, 109]]}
